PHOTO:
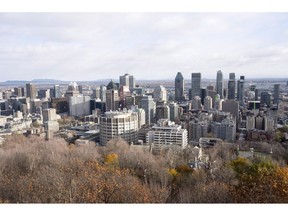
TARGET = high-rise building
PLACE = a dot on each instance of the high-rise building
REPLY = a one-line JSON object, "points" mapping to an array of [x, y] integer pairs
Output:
{"points": [[225, 130], [112, 97], [160, 94], [49, 114], [57, 91], [116, 124], [203, 95], [174, 113], [19, 92], [31, 90], [96, 93], [198, 130], [79, 105], [208, 103], [148, 104], [232, 107], [127, 80], [167, 133], [265, 98], [219, 84], [196, 103], [231, 86], [103, 93], [276, 95], [162, 111], [210, 91], [240, 90], [179, 87], [195, 85], [44, 94], [72, 90]]}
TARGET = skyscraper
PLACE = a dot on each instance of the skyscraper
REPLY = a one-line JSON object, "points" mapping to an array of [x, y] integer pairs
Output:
{"points": [[160, 94], [127, 80], [148, 104], [179, 87], [195, 85], [57, 91], [31, 90], [112, 97], [240, 90], [103, 93], [231, 86], [219, 84], [276, 94]]}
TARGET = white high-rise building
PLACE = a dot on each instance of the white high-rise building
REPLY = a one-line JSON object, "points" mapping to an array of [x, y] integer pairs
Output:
{"points": [[160, 94], [116, 124], [167, 133], [79, 105]]}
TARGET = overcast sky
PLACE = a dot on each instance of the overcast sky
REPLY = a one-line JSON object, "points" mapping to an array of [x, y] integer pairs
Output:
{"points": [[91, 46]]}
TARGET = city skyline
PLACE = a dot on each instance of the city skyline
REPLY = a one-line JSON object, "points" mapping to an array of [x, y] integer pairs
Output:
{"points": [[92, 46]]}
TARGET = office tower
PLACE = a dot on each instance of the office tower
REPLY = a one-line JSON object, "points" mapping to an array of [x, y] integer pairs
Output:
{"points": [[96, 93], [240, 90], [195, 85], [196, 103], [148, 104], [141, 115], [57, 91], [44, 94], [131, 82], [31, 90], [210, 91], [127, 80], [167, 133], [49, 114], [250, 122], [219, 84], [72, 90], [79, 105], [124, 92], [256, 95], [232, 107], [103, 93], [203, 95], [179, 87], [80, 88], [174, 113], [162, 111], [116, 124], [265, 99], [208, 103], [96, 105], [160, 94], [19, 92], [231, 86], [112, 97], [276, 95]]}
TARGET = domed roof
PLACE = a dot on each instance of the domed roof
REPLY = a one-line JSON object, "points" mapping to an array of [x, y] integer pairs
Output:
{"points": [[111, 85], [179, 76]]}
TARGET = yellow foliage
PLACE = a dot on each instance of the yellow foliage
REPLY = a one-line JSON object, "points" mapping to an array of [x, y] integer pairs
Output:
{"points": [[111, 159], [173, 172]]}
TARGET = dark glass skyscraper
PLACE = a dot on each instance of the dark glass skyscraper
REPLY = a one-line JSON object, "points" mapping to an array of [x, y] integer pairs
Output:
{"points": [[195, 85], [179, 87], [219, 83], [231, 86], [276, 94], [240, 90]]}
